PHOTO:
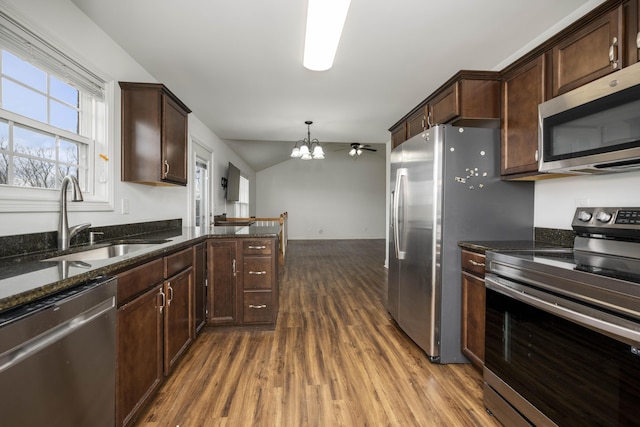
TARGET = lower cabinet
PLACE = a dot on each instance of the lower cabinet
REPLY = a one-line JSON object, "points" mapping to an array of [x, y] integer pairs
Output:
{"points": [[243, 281], [155, 325], [473, 307]]}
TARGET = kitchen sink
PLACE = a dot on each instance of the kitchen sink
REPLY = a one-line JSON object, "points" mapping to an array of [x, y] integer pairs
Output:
{"points": [[104, 252]]}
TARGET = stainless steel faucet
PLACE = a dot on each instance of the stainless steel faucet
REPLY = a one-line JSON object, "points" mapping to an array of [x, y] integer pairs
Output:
{"points": [[65, 233]]}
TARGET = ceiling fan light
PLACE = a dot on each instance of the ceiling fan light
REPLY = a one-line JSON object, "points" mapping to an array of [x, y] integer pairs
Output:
{"points": [[358, 151], [352, 152], [325, 21]]}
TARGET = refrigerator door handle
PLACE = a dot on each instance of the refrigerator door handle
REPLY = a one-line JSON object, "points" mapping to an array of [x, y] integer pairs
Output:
{"points": [[401, 175]]}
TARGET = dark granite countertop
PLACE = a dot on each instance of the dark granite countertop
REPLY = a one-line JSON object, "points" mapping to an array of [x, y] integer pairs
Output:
{"points": [[507, 245], [26, 278]]}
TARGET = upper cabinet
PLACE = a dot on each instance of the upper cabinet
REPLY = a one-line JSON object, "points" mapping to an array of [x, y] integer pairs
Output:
{"points": [[631, 13], [470, 98], [523, 88], [592, 51], [154, 135]]}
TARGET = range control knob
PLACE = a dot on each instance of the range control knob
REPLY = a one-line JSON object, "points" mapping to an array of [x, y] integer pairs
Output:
{"points": [[584, 216], [603, 216]]}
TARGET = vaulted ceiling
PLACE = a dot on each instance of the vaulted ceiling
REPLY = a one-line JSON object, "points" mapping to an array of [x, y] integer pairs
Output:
{"points": [[238, 63]]}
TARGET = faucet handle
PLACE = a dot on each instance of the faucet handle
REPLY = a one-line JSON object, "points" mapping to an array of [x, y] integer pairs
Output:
{"points": [[92, 236]]}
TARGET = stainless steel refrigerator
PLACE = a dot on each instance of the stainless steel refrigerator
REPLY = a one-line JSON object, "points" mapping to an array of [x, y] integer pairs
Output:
{"points": [[446, 187]]}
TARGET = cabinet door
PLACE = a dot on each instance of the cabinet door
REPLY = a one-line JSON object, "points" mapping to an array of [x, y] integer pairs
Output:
{"points": [[417, 122], [473, 322], [139, 354], [445, 107], [223, 281], [174, 142], [200, 285], [589, 53], [178, 317], [398, 135], [522, 90], [632, 29]]}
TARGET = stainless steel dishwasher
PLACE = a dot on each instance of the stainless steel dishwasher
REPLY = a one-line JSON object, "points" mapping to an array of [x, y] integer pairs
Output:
{"points": [[57, 359]]}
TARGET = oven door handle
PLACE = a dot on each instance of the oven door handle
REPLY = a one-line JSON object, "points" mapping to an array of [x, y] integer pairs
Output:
{"points": [[553, 304]]}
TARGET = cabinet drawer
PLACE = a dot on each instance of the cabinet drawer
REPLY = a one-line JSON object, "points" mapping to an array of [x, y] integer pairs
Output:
{"points": [[256, 247], [257, 273], [258, 307], [136, 280], [473, 262], [177, 262]]}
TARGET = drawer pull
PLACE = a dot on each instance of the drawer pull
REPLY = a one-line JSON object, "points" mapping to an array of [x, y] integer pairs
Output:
{"points": [[257, 247], [476, 263], [258, 306], [258, 273]]}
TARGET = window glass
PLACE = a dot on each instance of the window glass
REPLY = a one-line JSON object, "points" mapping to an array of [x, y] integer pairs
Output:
{"points": [[64, 92], [23, 72], [64, 117], [34, 173], [24, 101], [4, 152], [33, 143]]}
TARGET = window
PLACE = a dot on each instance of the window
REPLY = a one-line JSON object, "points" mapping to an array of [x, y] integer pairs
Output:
{"points": [[52, 121], [242, 206]]}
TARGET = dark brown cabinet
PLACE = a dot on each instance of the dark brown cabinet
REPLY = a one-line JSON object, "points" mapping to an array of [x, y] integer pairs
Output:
{"points": [[260, 276], [154, 135], [398, 134], [154, 328], [223, 257], [470, 98], [179, 306], [631, 12], [417, 122], [523, 88], [139, 339], [200, 285], [473, 307], [593, 51], [243, 281]]}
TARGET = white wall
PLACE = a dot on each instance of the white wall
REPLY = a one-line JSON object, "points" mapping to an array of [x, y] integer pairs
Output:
{"points": [[556, 199], [65, 26], [335, 198]]}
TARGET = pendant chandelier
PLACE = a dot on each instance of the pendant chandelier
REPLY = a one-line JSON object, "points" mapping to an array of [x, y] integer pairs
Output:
{"points": [[307, 148]]}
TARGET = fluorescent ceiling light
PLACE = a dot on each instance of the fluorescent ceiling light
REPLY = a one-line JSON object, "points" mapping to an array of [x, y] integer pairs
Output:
{"points": [[325, 20]]}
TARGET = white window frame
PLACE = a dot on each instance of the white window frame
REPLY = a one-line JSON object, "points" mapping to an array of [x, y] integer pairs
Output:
{"points": [[242, 205], [99, 192]]}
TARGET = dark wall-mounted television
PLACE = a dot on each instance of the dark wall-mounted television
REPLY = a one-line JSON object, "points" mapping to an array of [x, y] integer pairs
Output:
{"points": [[233, 183]]}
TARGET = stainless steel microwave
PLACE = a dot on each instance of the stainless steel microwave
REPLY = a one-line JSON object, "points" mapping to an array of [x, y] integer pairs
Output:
{"points": [[594, 128]]}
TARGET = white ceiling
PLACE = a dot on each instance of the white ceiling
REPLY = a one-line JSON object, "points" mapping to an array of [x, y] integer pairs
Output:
{"points": [[238, 63]]}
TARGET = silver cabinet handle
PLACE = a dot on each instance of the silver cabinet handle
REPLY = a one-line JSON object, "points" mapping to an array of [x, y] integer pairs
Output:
{"points": [[613, 53], [233, 266], [476, 263], [536, 155], [164, 300], [258, 306], [170, 289], [257, 247], [257, 273], [166, 168], [638, 40]]}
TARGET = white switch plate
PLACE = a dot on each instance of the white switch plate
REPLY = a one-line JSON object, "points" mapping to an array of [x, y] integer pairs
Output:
{"points": [[125, 206]]}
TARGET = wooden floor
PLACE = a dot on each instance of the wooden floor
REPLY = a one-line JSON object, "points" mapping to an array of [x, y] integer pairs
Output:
{"points": [[334, 359]]}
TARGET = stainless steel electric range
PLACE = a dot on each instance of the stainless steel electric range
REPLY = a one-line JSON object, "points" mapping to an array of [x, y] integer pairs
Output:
{"points": [[563, 327]]}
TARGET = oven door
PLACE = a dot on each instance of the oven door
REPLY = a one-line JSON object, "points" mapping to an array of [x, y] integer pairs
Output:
{"points": [[557, 361]]}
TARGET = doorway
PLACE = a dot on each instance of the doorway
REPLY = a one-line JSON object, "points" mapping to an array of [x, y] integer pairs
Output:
{"points": [[202, 172]]}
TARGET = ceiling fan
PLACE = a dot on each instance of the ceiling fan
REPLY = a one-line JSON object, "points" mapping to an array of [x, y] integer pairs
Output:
{"points": [[357, 149]]}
